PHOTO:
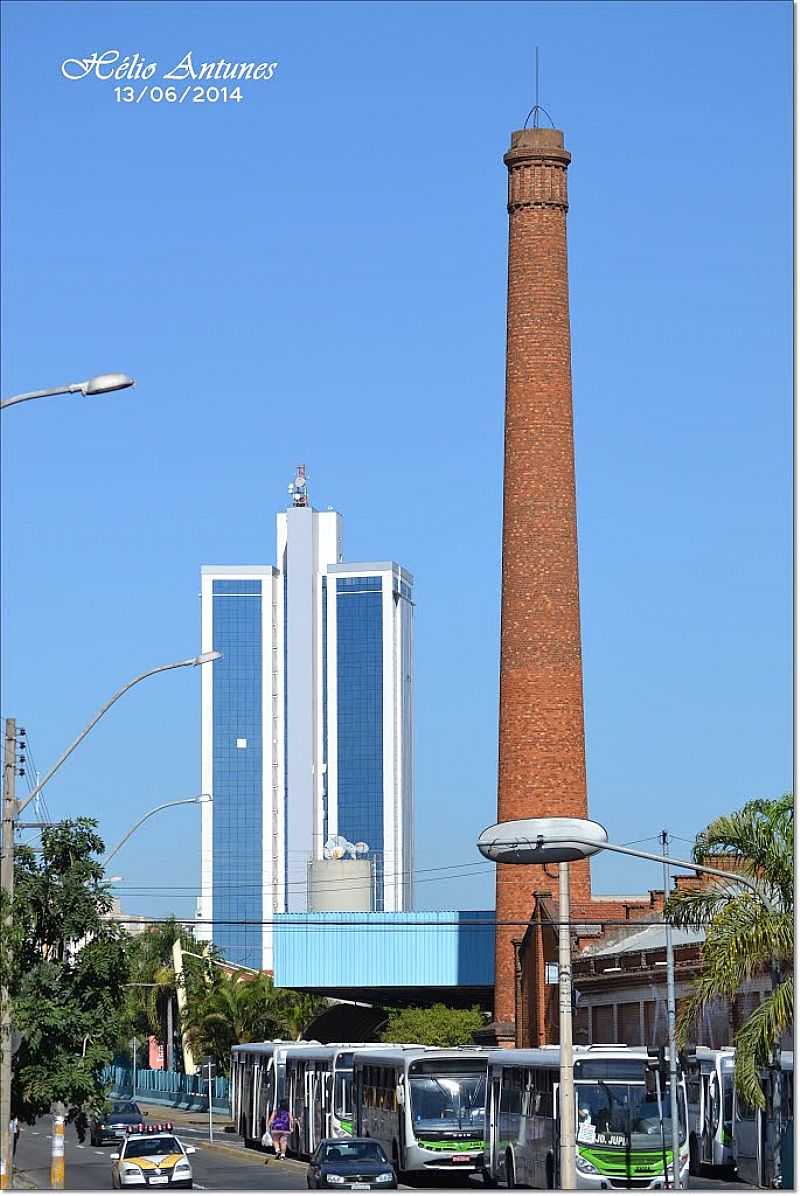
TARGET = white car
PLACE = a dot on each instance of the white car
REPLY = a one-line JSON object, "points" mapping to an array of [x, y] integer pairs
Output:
{"points": [[150, 1160]]}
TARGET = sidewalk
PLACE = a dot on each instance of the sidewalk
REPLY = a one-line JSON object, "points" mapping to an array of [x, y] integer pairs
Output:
{"points": [[229, 1142], [185, 1116]]}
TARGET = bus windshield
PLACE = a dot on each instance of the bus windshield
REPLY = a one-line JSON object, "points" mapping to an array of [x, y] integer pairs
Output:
{"points": [[612, 1114], [448, 1101]]}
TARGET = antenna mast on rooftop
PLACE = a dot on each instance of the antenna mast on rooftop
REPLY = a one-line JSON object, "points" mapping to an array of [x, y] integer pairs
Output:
{"points": [[299, 488]]}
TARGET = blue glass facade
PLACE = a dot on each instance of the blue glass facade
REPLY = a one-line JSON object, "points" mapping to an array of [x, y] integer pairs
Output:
{"points": [[324, 709], [359, 715], [237, 771]]}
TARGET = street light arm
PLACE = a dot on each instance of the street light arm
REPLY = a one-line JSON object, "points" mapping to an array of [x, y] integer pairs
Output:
{"points": [[99, 385], [40, 394], [184, 801], [162, 668], [663, 859]]}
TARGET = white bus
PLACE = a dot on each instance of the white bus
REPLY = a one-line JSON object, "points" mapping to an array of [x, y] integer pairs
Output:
{"points": [[763, 1146], [709, 1097], [258, 1084], [623, 1125], [425, 1105], [318, 1092]]}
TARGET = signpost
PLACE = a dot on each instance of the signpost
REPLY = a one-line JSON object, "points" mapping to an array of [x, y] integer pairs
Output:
{"points": [[208, 1069]]}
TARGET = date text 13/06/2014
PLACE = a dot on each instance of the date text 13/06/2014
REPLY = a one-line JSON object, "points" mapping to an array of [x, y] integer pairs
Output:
{"points": [[193, 94]]}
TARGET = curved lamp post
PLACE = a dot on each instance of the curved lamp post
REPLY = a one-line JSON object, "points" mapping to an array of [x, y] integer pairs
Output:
{"points": [[192, 662], [11, 811], [559, 840], [200, 799], [101, 384]]}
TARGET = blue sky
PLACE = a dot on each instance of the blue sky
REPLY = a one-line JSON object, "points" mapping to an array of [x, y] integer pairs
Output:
{"points": [[317, 274]]}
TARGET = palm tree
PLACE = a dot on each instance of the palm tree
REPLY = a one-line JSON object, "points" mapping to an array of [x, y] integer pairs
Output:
{"points": [[746, 932], [241, 1007]]}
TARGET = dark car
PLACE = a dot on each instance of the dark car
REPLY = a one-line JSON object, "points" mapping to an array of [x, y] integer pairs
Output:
{"points": [[113, 1125], [355, 1163]]}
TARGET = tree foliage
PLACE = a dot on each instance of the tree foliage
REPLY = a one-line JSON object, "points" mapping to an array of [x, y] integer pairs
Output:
{"points": [[241, 1007], [66, 966], [153, 981], [746, 932], [438, 1026]]}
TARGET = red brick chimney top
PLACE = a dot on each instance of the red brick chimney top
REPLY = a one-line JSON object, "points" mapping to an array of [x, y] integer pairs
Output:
{"points": [[538, 144]]}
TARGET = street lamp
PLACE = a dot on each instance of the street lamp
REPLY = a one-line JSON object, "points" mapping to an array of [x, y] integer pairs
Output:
{"points": [[200, 799], [192, 662], [101, 384], [558, 840], [11, 811]]}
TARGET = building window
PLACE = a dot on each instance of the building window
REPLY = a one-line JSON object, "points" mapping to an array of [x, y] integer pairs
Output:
{"points": [[237, 810], [359, 688]]}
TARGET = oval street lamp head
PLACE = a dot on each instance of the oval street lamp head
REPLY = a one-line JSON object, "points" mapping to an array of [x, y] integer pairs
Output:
{"points": [[104, 383], [542, 840], [207, 657], [203, 798]]}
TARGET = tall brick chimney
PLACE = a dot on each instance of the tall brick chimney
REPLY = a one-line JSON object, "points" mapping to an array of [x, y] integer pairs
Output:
{"points": [[541, 760]]}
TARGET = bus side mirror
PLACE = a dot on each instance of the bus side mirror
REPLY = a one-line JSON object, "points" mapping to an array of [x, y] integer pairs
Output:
{"points": [[401, 1095], [650, 1086]]}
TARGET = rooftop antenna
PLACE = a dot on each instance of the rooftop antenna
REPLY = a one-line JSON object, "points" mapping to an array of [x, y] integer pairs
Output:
{"points": [[537, 107], [298, 489]]}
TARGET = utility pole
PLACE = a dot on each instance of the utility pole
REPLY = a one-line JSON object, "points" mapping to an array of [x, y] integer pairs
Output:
{"points": [[183, 1004], [566, 1094], [7, 881], [57, 1152], [671, 1030]]}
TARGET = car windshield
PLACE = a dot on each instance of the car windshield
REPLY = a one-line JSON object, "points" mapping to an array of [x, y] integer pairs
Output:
{"points": [[610, 1114], [448, 1101], [346, 1152], [125, 1108], [142, 1148]]}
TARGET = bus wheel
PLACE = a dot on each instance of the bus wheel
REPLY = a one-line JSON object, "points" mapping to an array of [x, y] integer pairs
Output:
{"points": [[511, 1176], [488, 1180], [694, 1156]]}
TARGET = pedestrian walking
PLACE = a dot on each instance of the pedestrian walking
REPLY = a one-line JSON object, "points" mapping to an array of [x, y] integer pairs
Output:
{"points": [[281, 1124]]}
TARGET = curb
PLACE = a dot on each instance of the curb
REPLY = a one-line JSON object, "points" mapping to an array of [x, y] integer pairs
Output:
{"points": [[22, 1182], [245, 1153]]}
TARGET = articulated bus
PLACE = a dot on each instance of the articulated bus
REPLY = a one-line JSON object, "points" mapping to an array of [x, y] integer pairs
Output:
{"points": [[319, 1086], [709, 1097], [763, 1144], [623, 1127], [258, 1084], [426, 1106]]}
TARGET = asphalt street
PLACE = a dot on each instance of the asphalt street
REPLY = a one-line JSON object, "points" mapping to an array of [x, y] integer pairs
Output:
{"points": [[88, 1168], [226, 1166]]}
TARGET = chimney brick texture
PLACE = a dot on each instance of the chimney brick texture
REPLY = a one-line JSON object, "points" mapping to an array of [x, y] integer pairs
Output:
{"points": [[542, 770]]}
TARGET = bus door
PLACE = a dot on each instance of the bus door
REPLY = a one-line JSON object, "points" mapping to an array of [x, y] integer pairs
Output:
{"points": [[713, 1106], [493, 1122], [747, 1142]]}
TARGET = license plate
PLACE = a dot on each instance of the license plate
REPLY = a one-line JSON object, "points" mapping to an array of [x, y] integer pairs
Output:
{"points": [[461, 1158], [360, 1187], [158, 1179]]}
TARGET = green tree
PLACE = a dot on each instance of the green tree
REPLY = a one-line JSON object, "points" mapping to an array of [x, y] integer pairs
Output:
{"points": [[438, 1026], [241, 1007], [746, 934], [65, 970], [153, 981]]}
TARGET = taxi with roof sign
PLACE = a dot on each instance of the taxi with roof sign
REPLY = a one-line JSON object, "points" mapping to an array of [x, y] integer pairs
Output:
{"points": [[152, 1158]]}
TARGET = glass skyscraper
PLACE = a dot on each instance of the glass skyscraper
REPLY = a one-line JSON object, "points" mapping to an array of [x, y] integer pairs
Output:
{"points": [[307, 727]]}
